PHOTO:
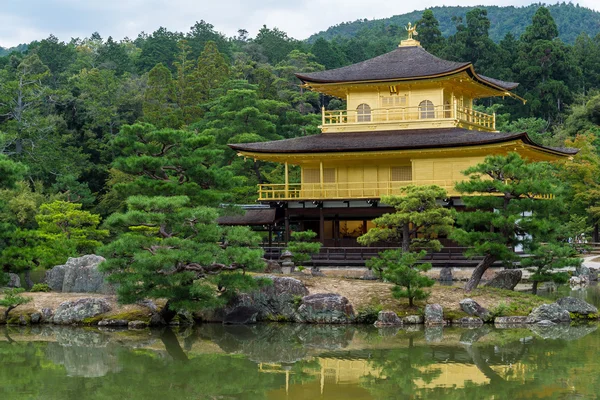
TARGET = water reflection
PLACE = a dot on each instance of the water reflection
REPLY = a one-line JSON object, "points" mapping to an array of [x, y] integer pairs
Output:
{"points": [[273, 361]]}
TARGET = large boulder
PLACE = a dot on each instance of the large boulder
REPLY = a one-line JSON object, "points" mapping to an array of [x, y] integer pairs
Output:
{"points": [[275, 302], [434, 315], [387, 318], [506, 279], [446, 274], [14, 281], [242, 315], [473, 308], [325, 308], [550, 312], [577, 306], [79, 275], [73, 312]]}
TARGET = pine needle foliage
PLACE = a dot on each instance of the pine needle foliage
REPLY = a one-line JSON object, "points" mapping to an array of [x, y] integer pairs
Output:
{"points": [[405, 270], [167, 249]]}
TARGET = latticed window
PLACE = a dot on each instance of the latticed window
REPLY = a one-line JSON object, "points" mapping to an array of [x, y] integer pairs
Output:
{"points": [[363, 113], [394, 101], [401, 174], [313, 175], [426, 109]]}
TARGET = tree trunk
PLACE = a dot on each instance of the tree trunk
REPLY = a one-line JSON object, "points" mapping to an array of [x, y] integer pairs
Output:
{"points": [[473, 282], [28, 281], [167, 314], [405, 238], [595, 234], [534, 287]]}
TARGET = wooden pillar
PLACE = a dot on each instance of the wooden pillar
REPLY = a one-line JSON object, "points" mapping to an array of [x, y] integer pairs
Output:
{"points": [[287, 182], [321, 179], [270, 235], [286, 235], [321, 225], [336, 230], [364, 227], [595, 235]]}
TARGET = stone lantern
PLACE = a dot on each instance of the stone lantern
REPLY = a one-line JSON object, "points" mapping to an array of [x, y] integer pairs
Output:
{"points": [[287, 265]]}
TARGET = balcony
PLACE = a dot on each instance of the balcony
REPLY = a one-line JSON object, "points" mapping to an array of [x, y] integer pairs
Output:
{"points": [[342, 190], [350, 190], [407, 118]]}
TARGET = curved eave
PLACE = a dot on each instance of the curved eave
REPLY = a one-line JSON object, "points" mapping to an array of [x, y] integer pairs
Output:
{"points": [[280, 154]]}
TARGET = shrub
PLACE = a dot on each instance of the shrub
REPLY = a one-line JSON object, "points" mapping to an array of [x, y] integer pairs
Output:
{"points": [[40, 287]]}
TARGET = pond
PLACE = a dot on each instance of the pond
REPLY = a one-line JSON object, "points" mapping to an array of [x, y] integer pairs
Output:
{"points": [[292, 361]]}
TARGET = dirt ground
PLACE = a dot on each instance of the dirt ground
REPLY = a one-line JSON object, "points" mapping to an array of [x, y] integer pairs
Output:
{"points": [[364, 294]]}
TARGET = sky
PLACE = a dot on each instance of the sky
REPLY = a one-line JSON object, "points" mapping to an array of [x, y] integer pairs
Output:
{"points": [[22, 21]]}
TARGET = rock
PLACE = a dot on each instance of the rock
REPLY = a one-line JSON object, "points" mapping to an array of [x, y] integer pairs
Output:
{"points": [[468, 321], [137, 325], [23, 320], [387, 318], [113, 322], [13, 281], [434, 315], [79, 275], [149, 304], [47, 314], [578, 280], [506, 279], [71, 312], [551, 312], [593, 275], [471, 307], [545, 323], [577, 306], [446, 274], [242, 315], [369, 275], [515, 320], [413, 319], [582, 270], [36, 318], [315, 271], [325, 308], [273, 267]]}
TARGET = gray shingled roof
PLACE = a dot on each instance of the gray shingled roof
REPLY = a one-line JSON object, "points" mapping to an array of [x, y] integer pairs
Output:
{"points": [[250, 217], [411, 62], [388, 140]]}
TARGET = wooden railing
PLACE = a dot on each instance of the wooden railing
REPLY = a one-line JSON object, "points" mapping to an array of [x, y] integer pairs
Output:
{"points": [[352, 190], [342, 190], [409, 114]]}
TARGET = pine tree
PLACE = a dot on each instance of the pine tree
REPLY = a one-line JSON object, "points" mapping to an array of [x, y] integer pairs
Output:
{"points": [[212, 71], [430, 35], [505, 196], [160, 99], [166, 248]]}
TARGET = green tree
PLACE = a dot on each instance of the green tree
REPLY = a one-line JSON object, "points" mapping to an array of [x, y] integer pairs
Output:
{"points": [[405, 271], [12, 299], [504, 195], [170, 162], [168, 249], [160, 99], [303, 246], [212, 71], [326, 54], [418, 221], [430, 35], [545, 259]]}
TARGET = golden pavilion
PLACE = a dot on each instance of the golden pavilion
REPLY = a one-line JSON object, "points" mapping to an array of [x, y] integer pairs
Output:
{"points": [[409, 119]]}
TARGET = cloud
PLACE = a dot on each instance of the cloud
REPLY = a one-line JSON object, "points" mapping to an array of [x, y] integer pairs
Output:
{"points": [[22, 22]]}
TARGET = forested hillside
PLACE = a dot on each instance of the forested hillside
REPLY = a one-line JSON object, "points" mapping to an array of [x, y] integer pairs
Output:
{"points": [[89, 123], [571, 20]]}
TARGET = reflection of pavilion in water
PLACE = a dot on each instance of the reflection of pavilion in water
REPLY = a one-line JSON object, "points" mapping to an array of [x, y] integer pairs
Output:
{"points": [[342, 371]]}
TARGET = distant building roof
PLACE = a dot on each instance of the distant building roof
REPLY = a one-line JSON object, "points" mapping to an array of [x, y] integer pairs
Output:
{"points": [[390, 140], [251, 217], [408, 62]]}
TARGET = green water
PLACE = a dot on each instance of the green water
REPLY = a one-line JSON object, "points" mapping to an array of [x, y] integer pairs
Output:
{"points": [[299, 362]]}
